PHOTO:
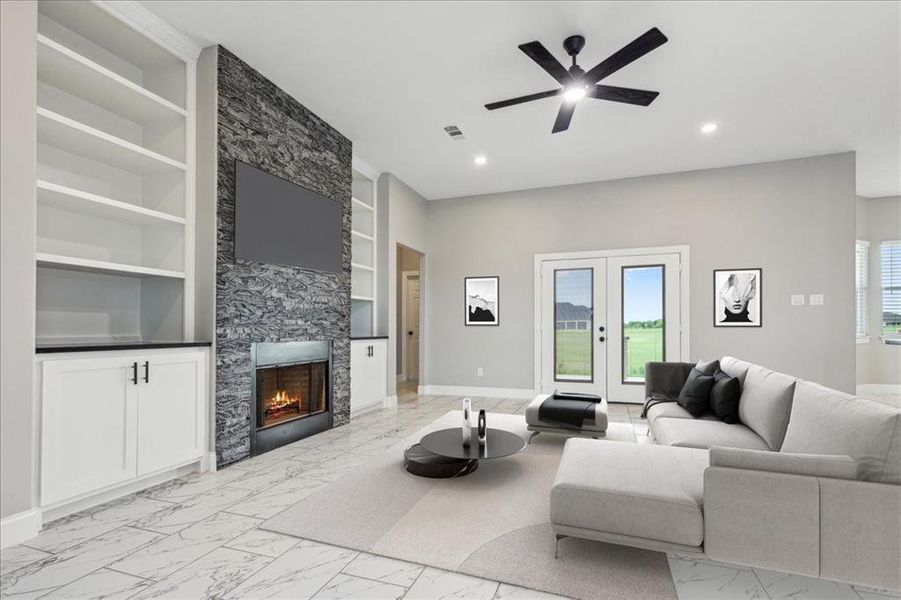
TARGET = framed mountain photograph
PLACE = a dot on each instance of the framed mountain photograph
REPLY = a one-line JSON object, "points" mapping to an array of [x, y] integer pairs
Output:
{"points": [[481, 297], [737, 297]]}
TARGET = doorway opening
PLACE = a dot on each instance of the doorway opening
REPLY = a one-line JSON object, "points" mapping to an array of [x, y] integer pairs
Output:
{"points": [[409, 316]]}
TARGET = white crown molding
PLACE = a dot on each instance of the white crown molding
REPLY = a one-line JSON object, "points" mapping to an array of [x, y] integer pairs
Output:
{"points": [[19, 527], [137, 16], [483, 392], [365, 168]]}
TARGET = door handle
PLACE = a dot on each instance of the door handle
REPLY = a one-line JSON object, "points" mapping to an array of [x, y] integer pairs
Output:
{"points": [[134, 373], [146, 371], [601, 339], [410, 332], [369, 351]]}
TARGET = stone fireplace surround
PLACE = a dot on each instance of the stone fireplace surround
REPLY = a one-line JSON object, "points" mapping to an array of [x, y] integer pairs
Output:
{"points": [[262, 125]]}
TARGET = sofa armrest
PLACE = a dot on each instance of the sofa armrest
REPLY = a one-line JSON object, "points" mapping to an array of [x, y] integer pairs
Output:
{"points": [[762, 519], [814, 465], [665, 378]]}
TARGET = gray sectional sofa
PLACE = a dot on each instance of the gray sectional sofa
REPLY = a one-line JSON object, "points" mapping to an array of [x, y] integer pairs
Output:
{"points": [[808, 483]]}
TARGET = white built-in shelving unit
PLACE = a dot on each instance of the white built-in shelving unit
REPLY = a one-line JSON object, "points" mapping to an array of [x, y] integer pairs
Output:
{"points": [[115, 183], [363, 255]]}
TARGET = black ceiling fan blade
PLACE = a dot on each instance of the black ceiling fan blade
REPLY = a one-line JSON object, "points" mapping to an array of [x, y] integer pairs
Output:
{"points": [[649, 40], [621, 94], [522, 99], [537, 52], [564, 116]]}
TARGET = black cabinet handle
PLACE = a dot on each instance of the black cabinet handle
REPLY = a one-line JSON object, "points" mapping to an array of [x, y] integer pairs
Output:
{"points": [[146, 371], [134, 373]]}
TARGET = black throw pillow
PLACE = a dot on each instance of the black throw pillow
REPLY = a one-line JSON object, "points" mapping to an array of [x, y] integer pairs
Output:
{"points": [[724, 397], [708, 368], [695, 394]]}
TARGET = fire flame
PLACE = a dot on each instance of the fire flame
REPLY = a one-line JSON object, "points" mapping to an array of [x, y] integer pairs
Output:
{"points": [[281, 400]]}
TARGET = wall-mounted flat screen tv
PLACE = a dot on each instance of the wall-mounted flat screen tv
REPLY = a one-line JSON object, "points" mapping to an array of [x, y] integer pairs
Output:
{"points": [[282, 223]]}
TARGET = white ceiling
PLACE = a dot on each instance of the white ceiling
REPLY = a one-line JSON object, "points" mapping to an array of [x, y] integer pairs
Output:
{"points": [[782, 79]]}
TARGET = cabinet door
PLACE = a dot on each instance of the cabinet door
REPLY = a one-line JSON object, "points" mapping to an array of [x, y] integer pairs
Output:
{"points": [[359, 374], [171, 405], [378, 371], [88, 426]]}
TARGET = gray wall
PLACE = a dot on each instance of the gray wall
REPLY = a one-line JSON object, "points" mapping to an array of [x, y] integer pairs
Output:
{"points": [[406, 217], [262, 125], [794, 219], [18, 28], [878, 220]]}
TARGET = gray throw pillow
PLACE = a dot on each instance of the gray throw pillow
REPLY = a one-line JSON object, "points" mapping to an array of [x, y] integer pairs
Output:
{"points": [[708, 367]]}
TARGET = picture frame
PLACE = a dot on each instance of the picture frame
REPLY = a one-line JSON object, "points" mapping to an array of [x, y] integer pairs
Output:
{"points": [[481, 301], [738, 297]]}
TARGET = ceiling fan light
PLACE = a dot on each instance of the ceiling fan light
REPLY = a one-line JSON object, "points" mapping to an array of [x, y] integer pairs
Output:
{"points": [[574, 92]]}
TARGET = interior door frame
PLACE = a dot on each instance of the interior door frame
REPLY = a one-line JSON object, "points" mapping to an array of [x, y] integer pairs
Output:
{"points": [[404, 302], [684, 293]]}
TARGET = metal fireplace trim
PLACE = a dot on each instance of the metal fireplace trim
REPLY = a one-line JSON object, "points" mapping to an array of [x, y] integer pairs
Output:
{"points": [[275, 354]]}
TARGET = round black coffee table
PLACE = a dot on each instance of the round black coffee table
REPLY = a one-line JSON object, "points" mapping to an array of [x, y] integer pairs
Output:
{"points": [[442, 454]]}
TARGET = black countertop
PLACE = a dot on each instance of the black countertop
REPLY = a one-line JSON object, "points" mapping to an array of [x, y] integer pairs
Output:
{"points": [[114, 346]]}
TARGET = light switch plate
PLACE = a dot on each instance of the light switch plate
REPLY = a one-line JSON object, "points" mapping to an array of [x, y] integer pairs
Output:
{"points": [[797, 299], [816, 299], [480, 371]]}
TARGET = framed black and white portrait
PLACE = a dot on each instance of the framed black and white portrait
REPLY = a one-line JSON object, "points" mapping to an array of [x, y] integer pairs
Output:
{"points": [[482, 302], [737, 298]]}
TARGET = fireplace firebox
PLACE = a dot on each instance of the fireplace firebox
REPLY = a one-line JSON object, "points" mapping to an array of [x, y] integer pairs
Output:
{"points": [[292, 392]]}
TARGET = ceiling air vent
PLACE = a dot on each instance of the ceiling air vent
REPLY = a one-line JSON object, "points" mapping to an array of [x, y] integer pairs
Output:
{"points": [[454, 132]]}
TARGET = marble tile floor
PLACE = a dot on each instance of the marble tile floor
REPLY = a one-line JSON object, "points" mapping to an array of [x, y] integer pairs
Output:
{"points": [[199, 536]]}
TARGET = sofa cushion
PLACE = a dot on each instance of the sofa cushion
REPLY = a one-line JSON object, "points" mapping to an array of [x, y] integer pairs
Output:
{"points": [[733, 367], [826, 421], [597, 489], [724, 397], [695, 394], [704, 434], [765, 404], [671, 410], [813, 465]]}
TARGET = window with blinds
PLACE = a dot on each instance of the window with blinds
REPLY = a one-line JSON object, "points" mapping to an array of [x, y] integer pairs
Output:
{"points": [[861, 255], [890, 268]]}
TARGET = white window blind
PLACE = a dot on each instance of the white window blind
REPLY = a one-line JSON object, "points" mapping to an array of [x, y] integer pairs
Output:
{"points": [[861, 254], [890, 267]]}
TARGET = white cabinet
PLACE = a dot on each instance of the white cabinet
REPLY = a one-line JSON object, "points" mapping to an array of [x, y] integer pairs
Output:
{"points": [[111, 419], [368, 373]]}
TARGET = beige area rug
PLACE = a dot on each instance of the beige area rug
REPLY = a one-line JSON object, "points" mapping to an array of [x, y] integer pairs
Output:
{"points": [[492, 523]]}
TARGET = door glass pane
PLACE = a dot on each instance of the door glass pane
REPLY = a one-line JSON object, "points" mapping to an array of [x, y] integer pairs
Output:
{"points": [[643, 339], [573, 304]]}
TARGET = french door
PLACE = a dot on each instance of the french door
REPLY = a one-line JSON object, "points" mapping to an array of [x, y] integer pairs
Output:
{"points": [[603, 318]]}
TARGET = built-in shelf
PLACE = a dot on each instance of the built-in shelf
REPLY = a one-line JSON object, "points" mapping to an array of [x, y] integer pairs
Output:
{"points": [[362, 298], [71, 72], [364, 267], [362, 204], [362, 235], [80, 139], [85, 203], [72, 263]]}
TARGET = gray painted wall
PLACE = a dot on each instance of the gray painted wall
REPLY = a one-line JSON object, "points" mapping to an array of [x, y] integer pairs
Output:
{"points": [[795, 219], [878, 220], [18, 147], [406, 217], [262, 125]]}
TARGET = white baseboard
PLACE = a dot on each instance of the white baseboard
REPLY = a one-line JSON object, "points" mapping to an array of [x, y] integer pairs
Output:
{"points": [[355, 412], [390, 402], [19, 527], [483, 392], [208, 464]]}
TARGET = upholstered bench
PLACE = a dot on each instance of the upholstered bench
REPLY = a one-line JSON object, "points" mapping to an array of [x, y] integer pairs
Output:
{"points": [[594, 427], [641, 495]]}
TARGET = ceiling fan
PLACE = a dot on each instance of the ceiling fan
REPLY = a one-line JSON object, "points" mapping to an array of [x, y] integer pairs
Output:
{"points": [[578, 83]]}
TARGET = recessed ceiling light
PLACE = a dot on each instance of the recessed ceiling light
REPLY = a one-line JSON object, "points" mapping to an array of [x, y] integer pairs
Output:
{"points": [[480, 160], [708, 127]]}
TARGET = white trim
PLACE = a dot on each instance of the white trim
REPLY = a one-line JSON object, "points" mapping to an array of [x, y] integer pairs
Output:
{"points": [[138, 17], [684, 289], [390, 401], [404, 276], [365, 168], [863, 339], [360, 203], [483, 392], [19, 527]]}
